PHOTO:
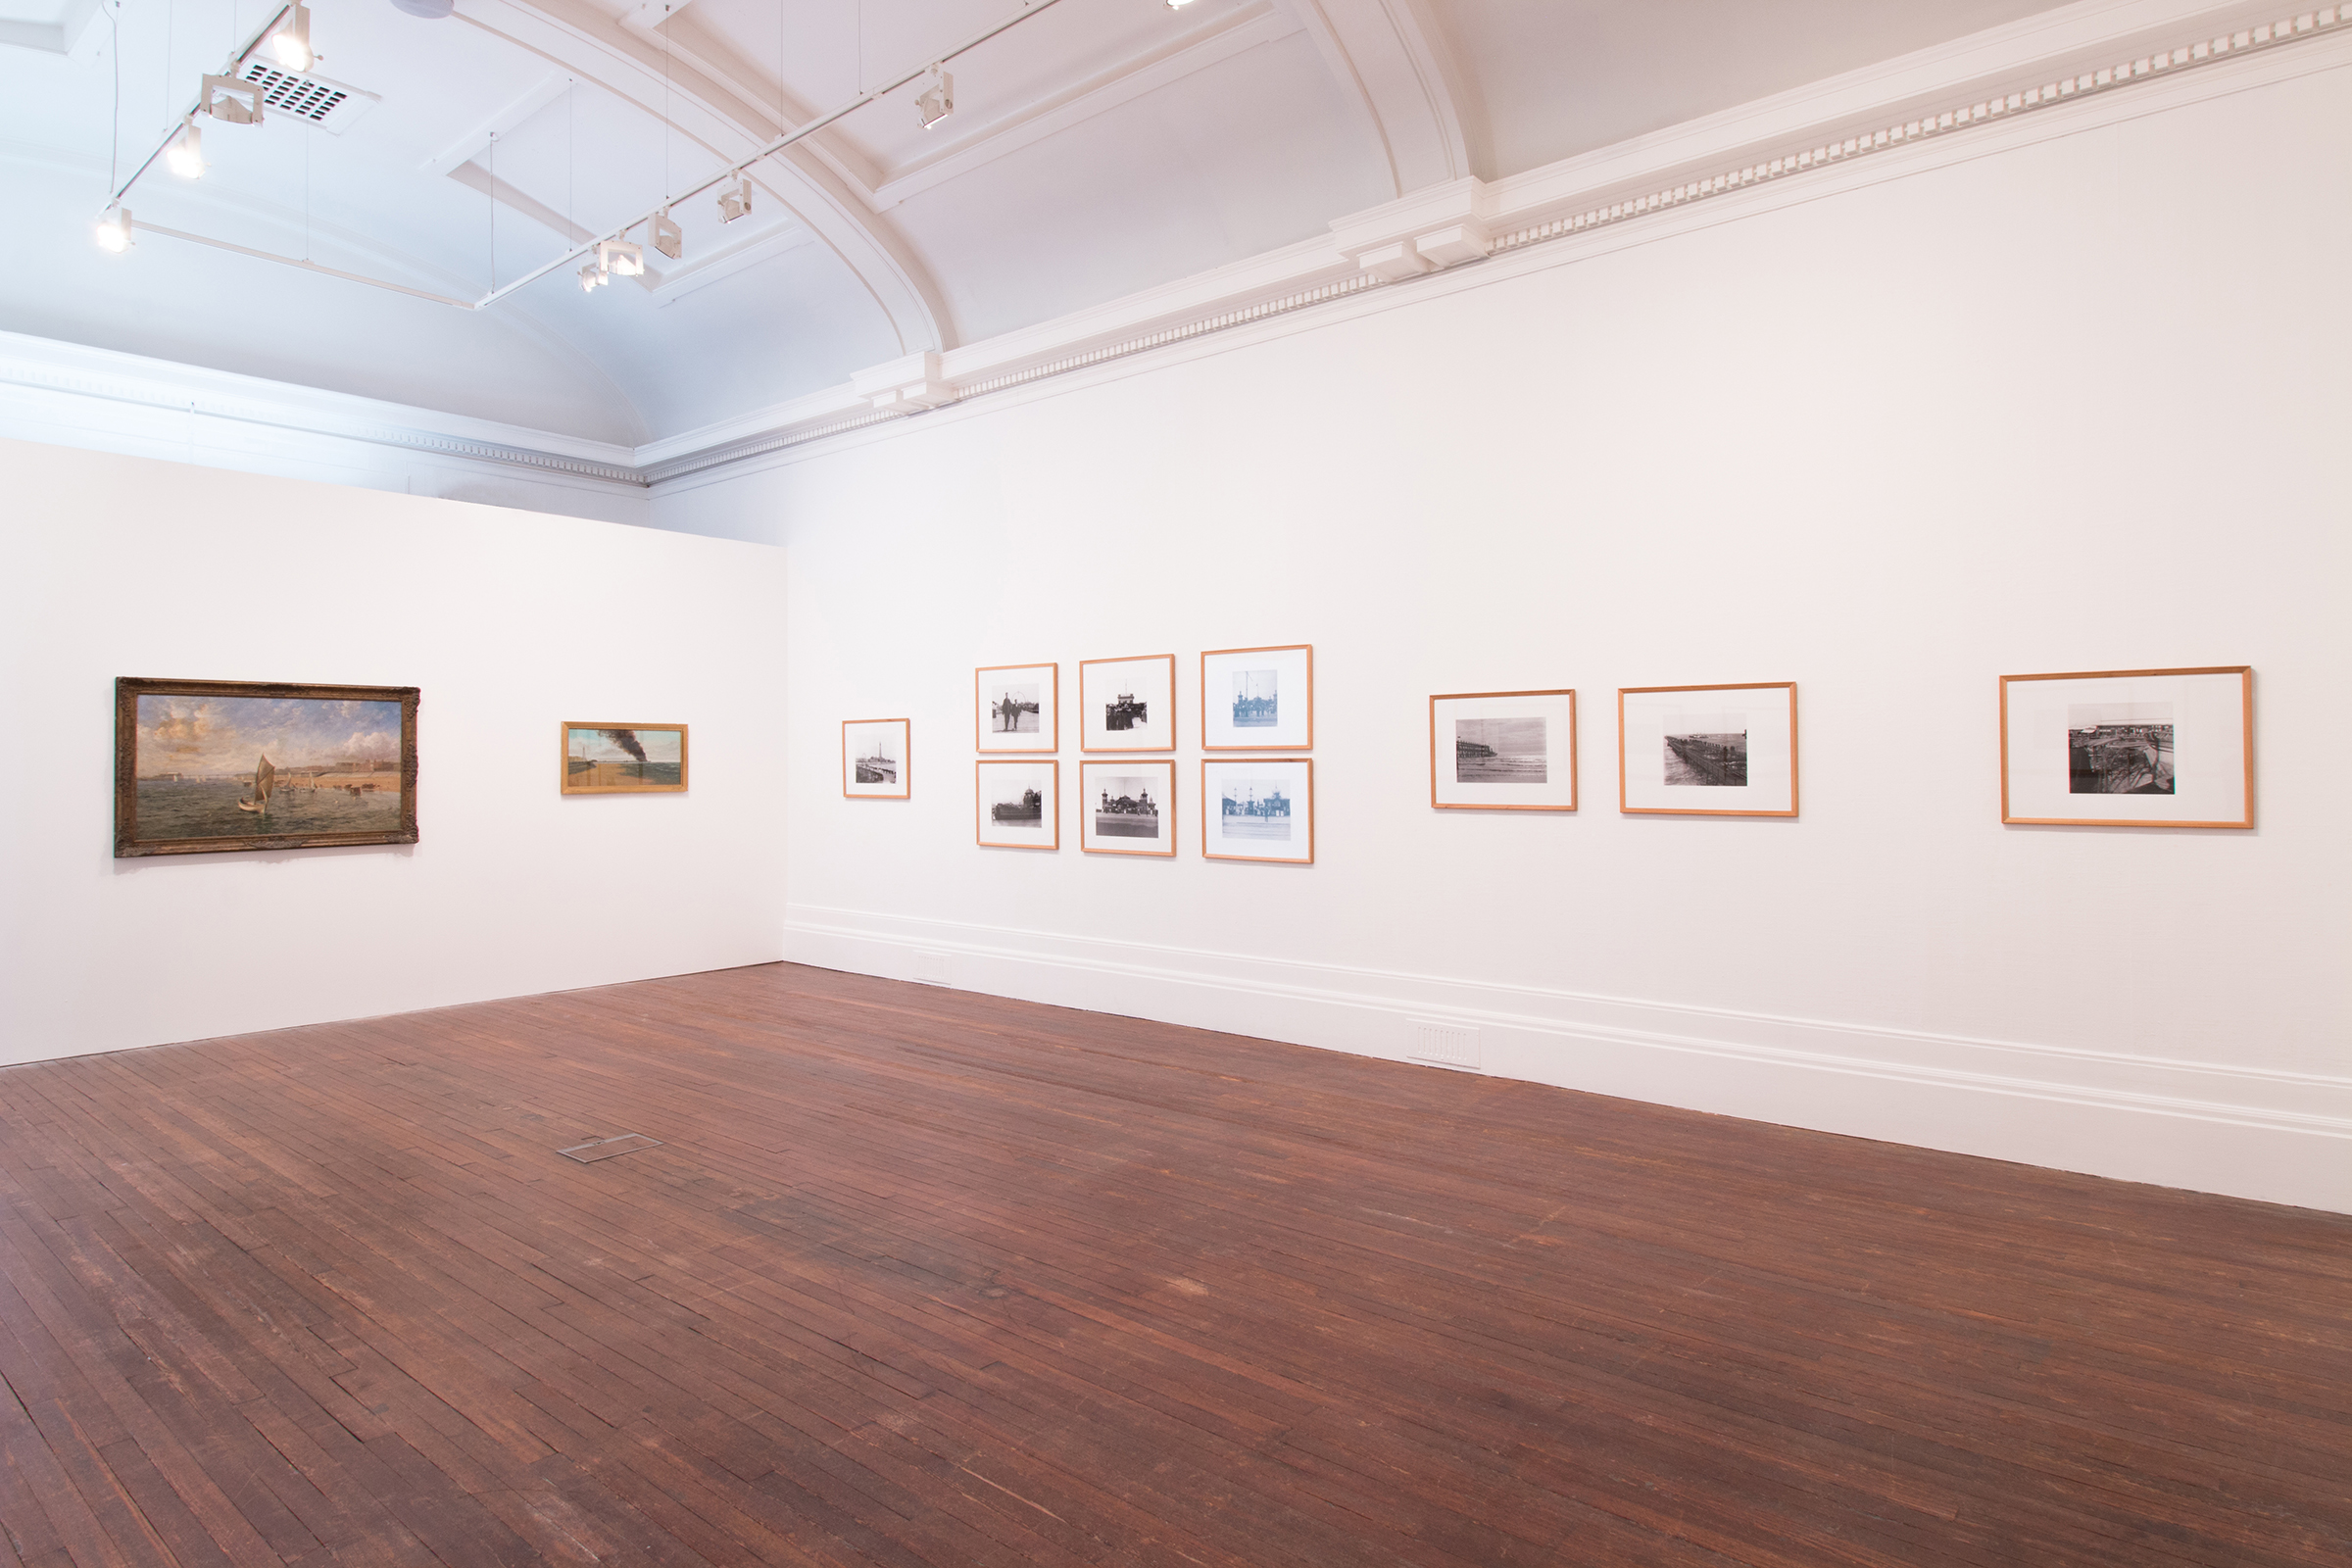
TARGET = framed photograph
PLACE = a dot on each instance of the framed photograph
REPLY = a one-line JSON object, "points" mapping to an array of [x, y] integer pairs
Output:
{"points": [[1707, 750], [873, 758], [1019, 804], [623, 758], [1259, 699], [1017, 707], [2129, 748], [1503, 751], [1127, 705], [1127, 807], [205, 766], [1258, 810]]}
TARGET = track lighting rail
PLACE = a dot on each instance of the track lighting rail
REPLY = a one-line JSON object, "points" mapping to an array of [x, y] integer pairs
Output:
{"points": [[195, 107]]}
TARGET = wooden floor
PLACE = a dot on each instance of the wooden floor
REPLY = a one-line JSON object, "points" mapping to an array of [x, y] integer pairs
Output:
{"points": [[921, 1277]]}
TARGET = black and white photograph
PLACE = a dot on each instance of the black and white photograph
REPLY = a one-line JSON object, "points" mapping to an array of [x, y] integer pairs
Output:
{"points": [[1257, 810], [1257, 698], [1503, 751], [1707, 750], [1017, 708], [2129, 748], [1018, 804], [873, 758], [1127, 807], [1129, 704]]}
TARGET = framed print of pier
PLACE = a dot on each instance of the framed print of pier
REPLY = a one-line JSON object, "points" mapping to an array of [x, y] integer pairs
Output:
{"points": [[1017, 707], [1503, 751], [205, 766], [1707, 750], [1259, 699], [1127, 705], [2129, 748], [1127, 807], [873, 758], [1258, 810], [1018, 804], [623, 758]]}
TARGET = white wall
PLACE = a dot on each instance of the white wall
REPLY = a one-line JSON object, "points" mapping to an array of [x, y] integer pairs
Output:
{"points": [[510, 622], [2078, 404]]}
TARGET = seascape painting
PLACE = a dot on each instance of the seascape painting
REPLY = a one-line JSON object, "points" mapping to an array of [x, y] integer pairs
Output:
{"points": [[623, 759]]}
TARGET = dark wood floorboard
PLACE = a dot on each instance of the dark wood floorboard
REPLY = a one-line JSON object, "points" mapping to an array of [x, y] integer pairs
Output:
{"points": [[922, 1278]]}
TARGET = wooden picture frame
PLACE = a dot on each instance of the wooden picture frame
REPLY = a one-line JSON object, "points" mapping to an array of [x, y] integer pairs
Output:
{"points": [[876, 764], [1127, 705], [594, 759], [345, 771], [2137, 747], [1226, 834], [1265, 699], [1489, 772], [1020, 693], [1759, 757], [1016, 803], [1114, 823]]}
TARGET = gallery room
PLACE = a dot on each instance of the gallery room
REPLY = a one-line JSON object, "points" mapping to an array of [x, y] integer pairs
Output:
{"points": [[1235, 782]]}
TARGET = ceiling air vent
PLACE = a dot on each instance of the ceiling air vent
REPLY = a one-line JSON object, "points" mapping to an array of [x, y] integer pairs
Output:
{"points": [[311, 98]]}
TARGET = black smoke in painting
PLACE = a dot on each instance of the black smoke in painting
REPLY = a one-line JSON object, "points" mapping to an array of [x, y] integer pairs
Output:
{"points": [[626, 740]]}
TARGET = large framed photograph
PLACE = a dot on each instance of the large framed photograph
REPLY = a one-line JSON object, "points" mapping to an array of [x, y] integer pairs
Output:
{"points": [[623, 758], [2129, 748], [1503, 751], [1707, 750], [1127, 705], [874, 760], [1017, 707], [1258, 810], [1127, 807], [1018, 804], [205, 766], [1259, 699]]}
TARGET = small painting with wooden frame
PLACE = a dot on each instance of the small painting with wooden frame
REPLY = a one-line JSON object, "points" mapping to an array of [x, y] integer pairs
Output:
{"points": [[2128, 748], [602, 759]]}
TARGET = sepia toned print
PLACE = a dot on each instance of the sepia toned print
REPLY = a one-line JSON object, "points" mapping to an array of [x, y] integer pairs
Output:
{"points": [[1499, 750], [2119, 749], [873, 758]]}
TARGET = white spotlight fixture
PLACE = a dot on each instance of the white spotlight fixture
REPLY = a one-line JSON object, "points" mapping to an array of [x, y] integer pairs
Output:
{"points": [[114, 230], [291, 43], [620, 258], [735, 200], [1173, 5], [186, 155], [230, 101], [938, 101], [593, 277], [666, 238]]}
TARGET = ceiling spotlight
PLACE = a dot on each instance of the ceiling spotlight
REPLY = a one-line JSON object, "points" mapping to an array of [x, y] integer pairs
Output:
{"points": [[429, 10], [593, 277], [291, 43], [1173, 5], [230, 101], [186, 155], [666, 238], [114, 230], [735, 202], [619, 257], [938, 101]]}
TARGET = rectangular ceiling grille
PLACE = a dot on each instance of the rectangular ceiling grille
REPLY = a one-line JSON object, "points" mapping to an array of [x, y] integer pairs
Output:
{"points": [[290, 94]]}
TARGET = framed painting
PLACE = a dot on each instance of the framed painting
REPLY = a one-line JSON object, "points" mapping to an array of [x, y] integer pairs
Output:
{"points": [[1127, 807], [873, 758], [1707, 750], [623, 758], [1259, 699], [1017, 707], [1258, 810], [205, 766], [1018, 804], [2129, 748], [1127, 705], [1503, 751]]}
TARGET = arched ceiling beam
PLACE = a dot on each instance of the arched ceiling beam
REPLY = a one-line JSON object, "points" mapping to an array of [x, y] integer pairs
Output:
{"points": [[1390, 58]]}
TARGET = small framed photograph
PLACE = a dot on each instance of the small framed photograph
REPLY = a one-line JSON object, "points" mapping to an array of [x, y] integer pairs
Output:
{"points": [[873, 758], [1127, 705], [623, 758], [1259, 699], [1258, 810], [1503, 751], [1019, 804], [1707, 750], [1127, 807], [2129, 748], [1017, 707]]}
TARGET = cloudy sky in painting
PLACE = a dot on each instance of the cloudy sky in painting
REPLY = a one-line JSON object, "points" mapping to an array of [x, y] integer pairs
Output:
{"points": [[225, 735], [603, 745]]}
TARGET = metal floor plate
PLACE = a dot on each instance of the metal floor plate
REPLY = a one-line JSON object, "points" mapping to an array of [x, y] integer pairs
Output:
{"points": [[596, 1149]]}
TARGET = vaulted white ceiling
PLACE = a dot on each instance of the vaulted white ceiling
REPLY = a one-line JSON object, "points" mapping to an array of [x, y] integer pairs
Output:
{"points": [[1098, 147]]}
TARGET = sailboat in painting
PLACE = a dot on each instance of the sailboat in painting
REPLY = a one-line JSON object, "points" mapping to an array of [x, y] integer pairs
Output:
{"points": [[263, 774]]}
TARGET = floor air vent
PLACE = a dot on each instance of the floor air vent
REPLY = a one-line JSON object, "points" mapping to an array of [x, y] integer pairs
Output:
{"points": [[596, 1149], [313, 98], [1443, 1045]]}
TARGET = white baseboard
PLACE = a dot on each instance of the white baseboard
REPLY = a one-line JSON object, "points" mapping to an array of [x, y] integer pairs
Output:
{"points": [[2280, 1136]]}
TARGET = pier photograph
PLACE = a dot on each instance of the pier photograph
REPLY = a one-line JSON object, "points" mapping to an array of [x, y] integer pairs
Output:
{"points": [[1499, 750], [1014, 707], [1018, 804], [1707, 750], [1503, 751], [2119, 749], [1127, 807], [623, 758], [2129, 748], [873, 758], [1717, 757]]}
